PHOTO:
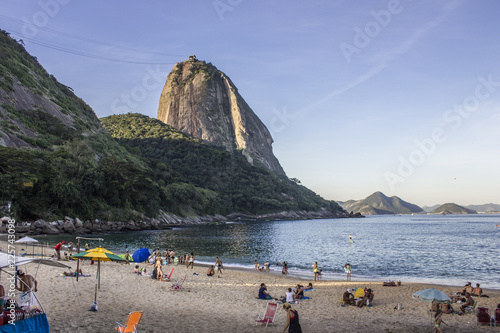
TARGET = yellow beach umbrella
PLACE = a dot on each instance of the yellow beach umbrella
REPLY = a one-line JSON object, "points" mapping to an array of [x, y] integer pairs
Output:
{"points": [[98, 254]]}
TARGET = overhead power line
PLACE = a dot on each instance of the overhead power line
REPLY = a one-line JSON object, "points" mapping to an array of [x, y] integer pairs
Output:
{"points": [[84, 54], [85, 39]]}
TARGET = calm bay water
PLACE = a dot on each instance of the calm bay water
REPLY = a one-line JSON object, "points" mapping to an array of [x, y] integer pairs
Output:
{"points": [[450, 249]]}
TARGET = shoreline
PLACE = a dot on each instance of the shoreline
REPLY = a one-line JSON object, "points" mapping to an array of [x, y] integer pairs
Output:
{"points": [[164, 221], [305, 275], [229, 303]]}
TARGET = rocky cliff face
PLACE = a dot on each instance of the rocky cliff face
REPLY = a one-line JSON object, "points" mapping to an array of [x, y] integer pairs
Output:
{"points": [[202, 101]]}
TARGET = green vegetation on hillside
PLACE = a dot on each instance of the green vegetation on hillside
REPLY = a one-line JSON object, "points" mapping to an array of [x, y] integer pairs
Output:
{"points": [[240, 187], [73, 167], [17, 65]]}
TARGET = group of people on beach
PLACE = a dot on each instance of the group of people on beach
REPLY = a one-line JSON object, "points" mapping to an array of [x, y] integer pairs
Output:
{"points": [[367, 299], [158, 262], [217, 268]]}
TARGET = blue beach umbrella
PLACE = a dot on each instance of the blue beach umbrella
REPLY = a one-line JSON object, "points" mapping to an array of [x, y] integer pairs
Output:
{"points": [[141, 255]]}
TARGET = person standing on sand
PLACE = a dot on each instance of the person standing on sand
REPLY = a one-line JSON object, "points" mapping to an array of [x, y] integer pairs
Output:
{"points": [[191, 261], [58, 249], [70, 248], [256, 264], [316, 271], [292, 320], [348, 270], [285, 268], [218, 266], [159, 272], [127, 257]]}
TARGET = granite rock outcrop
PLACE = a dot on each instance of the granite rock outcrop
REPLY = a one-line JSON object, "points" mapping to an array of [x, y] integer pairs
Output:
{"points": [[202, 101]]}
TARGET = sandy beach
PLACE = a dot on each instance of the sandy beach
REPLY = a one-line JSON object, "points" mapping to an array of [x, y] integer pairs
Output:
{"points": [[229, 303]]}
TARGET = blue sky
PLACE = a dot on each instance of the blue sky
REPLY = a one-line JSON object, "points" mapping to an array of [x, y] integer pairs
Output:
{"points": [[360, 96]]}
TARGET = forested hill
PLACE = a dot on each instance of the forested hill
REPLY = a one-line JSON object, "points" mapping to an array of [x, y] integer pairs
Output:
{"points": [[57, 160], [185, 162]]}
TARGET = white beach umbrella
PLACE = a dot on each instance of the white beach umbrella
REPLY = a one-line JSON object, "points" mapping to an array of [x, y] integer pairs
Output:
{"points": [[430, 295], [27, 240]]}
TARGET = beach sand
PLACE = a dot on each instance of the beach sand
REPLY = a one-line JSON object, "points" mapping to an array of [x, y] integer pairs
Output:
{"points": [[229, 303]]}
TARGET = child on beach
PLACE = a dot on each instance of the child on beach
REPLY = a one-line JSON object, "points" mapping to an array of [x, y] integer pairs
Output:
{"points": [[438, 321]]}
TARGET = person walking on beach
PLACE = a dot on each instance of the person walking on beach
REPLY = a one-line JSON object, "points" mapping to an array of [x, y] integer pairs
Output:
{"points": [[292, 320], [348, 270], [438, 321], [316, 271], [218, 266]]}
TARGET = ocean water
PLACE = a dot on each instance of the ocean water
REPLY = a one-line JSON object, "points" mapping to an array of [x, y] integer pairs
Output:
{"points": [[449, 249]]}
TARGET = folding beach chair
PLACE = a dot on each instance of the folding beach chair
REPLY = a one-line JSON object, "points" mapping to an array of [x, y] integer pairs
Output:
{"points": [[132, 321], [169, 275], [268, 317], [483, 316], [178, 285], [496, 317]]}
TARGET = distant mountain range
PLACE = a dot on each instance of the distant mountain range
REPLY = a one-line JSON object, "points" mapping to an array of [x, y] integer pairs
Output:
{"points": [[380, 204], [486, 208], [451, 208]]}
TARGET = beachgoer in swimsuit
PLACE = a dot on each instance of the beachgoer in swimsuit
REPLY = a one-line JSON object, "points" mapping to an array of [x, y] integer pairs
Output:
{"points": [[316, 271], [438, 321], [159, 273], [191, 261], [469, 301], [285, 269], [211, 271], [478, 292], [218, 266], [292, 320], [70, 273], [299, 291], [348, 270]]}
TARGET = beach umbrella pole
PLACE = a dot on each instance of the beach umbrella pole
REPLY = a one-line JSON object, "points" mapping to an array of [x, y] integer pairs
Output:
{"points": [[99, 274], [77, 260]]}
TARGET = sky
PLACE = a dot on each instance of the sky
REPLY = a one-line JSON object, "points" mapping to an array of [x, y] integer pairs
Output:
{"points": [[397, 96]]}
